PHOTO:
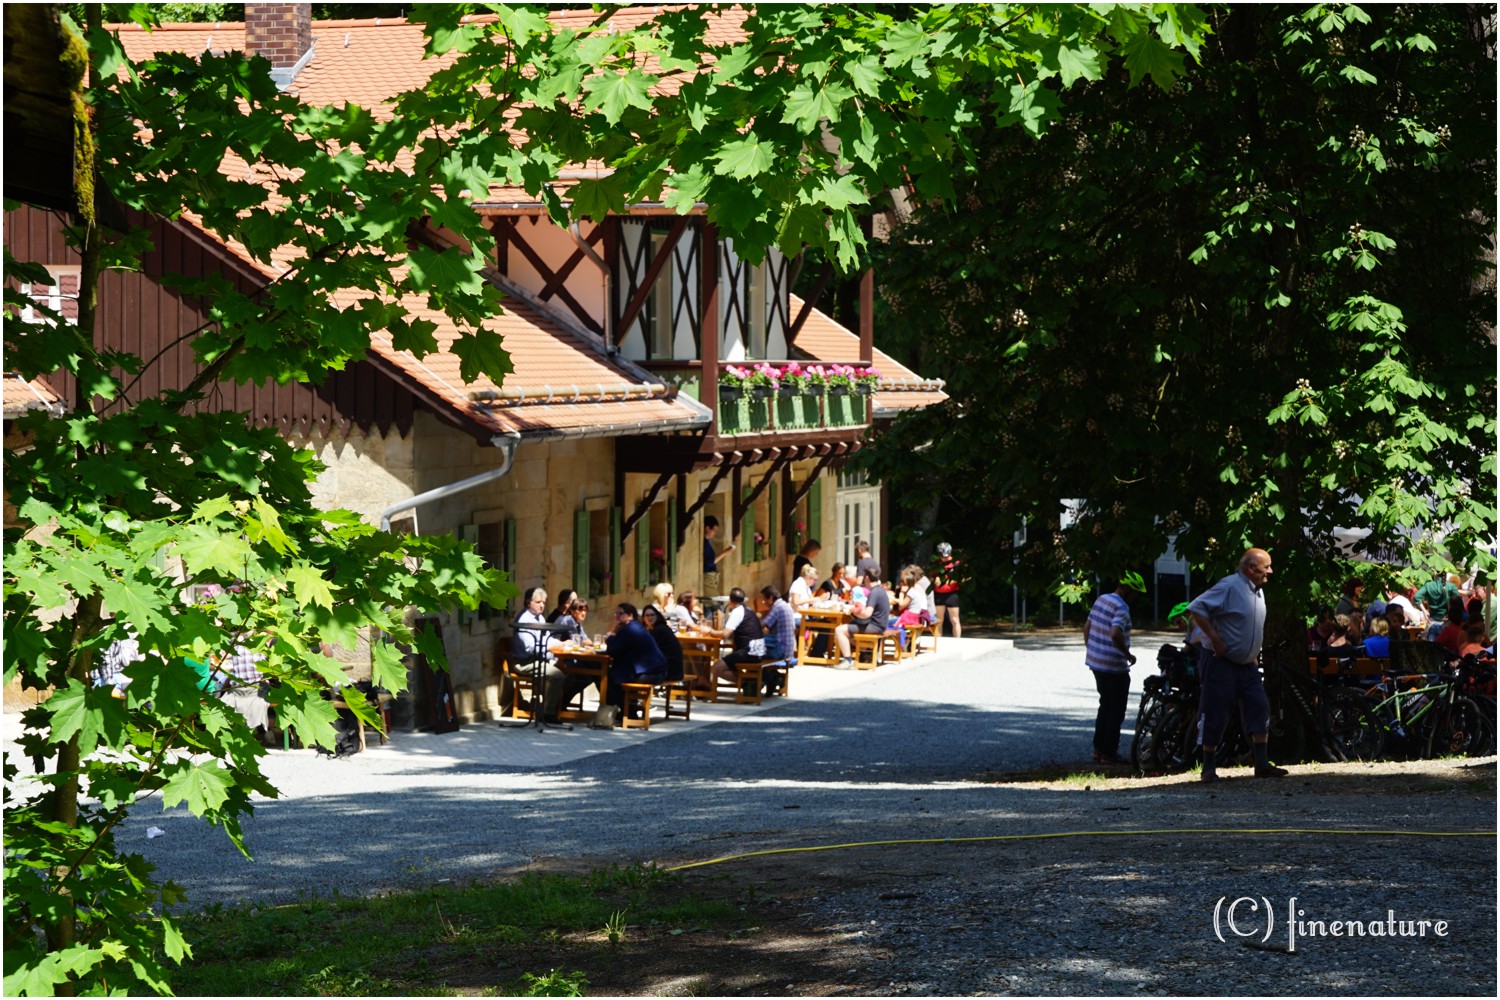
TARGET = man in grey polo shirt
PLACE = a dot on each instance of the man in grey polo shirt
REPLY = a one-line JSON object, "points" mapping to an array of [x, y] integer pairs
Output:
{"points": [[1232, 613]]}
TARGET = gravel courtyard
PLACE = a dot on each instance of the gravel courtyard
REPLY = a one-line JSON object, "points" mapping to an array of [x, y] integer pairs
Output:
{"points": [[972, 743]]}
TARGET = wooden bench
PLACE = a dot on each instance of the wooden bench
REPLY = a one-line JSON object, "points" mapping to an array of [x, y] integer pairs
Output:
{"points": [[866, 647], [682, 691], [785, 666], [891, 647], [636, 696], [1362, 667], [915, 634], [744, 675]]}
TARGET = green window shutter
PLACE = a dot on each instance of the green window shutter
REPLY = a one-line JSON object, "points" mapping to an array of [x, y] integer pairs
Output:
{"points": [[773, 519], [470, 534], [508, 550], [671, 547], [642, 553], [616, 542], [815, 510], [747, 533], [581, 552], [508, 555]]}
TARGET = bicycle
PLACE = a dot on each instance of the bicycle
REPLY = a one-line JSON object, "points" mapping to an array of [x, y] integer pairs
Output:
{"points": [[1336, 716], [1435, 714], [1167, 731]]}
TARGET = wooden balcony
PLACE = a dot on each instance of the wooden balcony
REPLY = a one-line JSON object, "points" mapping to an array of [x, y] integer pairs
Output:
{"points": [[764, 411]]}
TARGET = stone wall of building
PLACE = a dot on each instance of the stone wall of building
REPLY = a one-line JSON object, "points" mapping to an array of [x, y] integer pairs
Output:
{"points": [[549, 482]]}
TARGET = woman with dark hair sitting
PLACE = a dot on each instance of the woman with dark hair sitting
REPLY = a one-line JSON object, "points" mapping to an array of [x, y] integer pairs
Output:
{"points": [[666, 640], [564, 606], [634, 658]]}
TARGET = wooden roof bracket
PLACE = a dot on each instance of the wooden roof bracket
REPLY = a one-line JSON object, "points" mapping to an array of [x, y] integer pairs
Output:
{"points": [[779, 460], [793, 499], [645, 505], [727, 466]]}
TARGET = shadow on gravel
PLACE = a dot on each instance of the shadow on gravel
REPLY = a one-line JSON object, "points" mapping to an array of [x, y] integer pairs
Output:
{"points": [[806, 773]]}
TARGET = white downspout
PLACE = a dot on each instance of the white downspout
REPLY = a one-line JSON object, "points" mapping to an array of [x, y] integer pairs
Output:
{"points": [[505, 442]]}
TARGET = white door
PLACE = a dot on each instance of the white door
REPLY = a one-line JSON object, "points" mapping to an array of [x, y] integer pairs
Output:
{"points": [[859, 517]]}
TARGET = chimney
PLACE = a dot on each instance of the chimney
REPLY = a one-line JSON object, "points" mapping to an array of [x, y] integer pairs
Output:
{"points": [[282, 33]]}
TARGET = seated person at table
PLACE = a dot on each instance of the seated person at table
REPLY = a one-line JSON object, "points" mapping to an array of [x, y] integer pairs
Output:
{"points": [[239, 683], [564, 605], [838, 584], [1349, 603], [1476, 643], [743, 625], [917, 609], [781, 634], [1378, 642], [1319, 631], [1451, 635], [802, 594], [666, 640], [685, 612], [872, 616], [530, 647], [670, 609], [577, 622], [634, 657]]}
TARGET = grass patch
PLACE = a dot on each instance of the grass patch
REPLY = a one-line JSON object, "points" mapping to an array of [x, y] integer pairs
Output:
{"points": [[1064, 773], [534, 936]]}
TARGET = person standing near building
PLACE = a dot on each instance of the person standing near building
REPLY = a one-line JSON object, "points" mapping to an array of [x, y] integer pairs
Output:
{"points": [[945, 585], [862, 563], [1107, 654], [1232, 614], [710, 557]]}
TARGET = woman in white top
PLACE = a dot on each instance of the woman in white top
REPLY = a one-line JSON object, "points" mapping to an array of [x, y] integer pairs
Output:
{"points": [[917, 601], [802, 591], [676, 615]]}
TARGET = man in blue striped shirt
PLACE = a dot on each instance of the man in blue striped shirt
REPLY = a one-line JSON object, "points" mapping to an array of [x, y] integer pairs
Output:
{"points": [[1107, 653]]}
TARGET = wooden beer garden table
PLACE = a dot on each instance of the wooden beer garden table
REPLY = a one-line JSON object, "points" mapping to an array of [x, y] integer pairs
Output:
{"points": [[818, 621], [583, 661]]}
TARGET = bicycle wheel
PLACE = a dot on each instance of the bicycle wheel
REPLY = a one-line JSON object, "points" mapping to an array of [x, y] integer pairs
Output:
{"points": [[1179, 737], [1142, 747], [1461, 730], [1349, 731], [1158, 745]]}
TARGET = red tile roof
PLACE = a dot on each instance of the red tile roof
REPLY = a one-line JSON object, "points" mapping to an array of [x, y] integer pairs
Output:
{"points": [[21, 395], [900, 388], [562, 382]]}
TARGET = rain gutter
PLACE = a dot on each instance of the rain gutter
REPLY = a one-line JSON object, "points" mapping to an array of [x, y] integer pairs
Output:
{"points": [[505, 442]]}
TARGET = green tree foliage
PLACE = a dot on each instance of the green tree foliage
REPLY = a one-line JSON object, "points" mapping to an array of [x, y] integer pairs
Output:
{"points": [[1249, 309], [110, 492], [790, 134]]}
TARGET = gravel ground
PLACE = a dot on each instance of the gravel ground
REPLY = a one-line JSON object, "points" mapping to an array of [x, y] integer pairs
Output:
{"points": [[929, 752], [1128, 915]]}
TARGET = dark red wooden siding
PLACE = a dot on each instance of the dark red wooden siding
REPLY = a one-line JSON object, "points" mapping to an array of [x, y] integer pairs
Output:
{"points": [[139, 316]]}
